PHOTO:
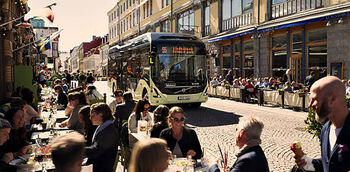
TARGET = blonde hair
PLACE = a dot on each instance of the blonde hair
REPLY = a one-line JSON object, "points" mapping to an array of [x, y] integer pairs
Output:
{"points": [[147, 155], [251, 126], [174, 110], [67, 149]]}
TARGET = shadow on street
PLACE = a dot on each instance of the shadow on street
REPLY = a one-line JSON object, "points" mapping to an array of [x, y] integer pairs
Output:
{"points": [[207, 117]]}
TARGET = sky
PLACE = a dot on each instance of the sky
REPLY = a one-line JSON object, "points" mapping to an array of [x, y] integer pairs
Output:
{"points": [[79, 19]]}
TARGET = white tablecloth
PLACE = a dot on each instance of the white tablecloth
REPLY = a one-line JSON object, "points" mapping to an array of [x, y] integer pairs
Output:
{"points": [[272, 97]]}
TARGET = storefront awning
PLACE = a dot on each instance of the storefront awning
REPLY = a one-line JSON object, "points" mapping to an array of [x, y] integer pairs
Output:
{"points": [[302, 20], [250, 30]]}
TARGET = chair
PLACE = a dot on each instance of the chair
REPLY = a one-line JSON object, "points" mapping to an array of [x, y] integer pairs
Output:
{"points": [[124, 153]]}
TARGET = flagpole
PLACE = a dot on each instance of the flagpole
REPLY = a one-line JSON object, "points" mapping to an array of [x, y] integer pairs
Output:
{"points": [[4, 24], [22, 46]]}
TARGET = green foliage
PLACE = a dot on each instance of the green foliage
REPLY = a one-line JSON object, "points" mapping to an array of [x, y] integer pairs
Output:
{"points": [[314, 127]]}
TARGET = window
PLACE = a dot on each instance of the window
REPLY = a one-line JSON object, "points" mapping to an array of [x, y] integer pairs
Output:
{"points": [[236, 13], [317, 52], [133, 1], [279, 56], [144, 11], [150, 11], [130, 21], [115, 14], [186, 22], [248, 67], [118, 12], [127, 5], [226, 49], [165, 26], [133, 19], [206, 18], [226, 62], [129, 2], [147, 10]]}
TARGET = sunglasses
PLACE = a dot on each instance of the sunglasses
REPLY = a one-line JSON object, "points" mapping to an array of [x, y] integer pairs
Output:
{"points": [[119, 95], [146, 109], [178, 119]]}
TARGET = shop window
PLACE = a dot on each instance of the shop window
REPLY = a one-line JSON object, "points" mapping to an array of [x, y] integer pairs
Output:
{"points": [[225, 49], [206, 18], [317, 36], [317, 52], [248, 46], [226, 62], [279, 62], [297, 44], [278, 42]]}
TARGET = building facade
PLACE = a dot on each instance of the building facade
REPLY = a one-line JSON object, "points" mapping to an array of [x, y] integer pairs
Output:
{"points": [[103, 69], [16, 50], [51, 56], [253, 38]]}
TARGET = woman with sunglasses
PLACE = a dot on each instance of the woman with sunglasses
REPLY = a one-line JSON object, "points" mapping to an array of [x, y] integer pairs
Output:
{"points": [[140, 112], [182, 141]]}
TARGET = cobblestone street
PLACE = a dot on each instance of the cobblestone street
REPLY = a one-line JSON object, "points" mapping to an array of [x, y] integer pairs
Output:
{"points": [[216, 120]]}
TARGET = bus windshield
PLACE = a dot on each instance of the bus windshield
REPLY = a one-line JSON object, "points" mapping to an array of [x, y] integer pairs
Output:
{"points": [[180, 69]]}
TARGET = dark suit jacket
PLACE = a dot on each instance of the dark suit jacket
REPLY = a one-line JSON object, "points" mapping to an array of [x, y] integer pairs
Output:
{"points": [[253, 160], [188, 141], [123, 111], [337, 160], [103, 150]]}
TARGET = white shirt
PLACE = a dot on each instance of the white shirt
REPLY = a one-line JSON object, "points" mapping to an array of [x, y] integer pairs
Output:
{"points": [[333, 135]]}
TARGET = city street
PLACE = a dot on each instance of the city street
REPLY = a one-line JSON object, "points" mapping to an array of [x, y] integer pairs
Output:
{"points": [[216, 120]]}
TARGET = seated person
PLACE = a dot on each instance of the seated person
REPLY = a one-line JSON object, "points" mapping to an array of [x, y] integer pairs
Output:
{"points": [[62, 99], [147, 149], [105, 141], [5, 156], [67, 152], [93, 95], [182, 141], [88, 128], [140, 112], [250, 156], [160, 120], [73, 121], [17, 144]]}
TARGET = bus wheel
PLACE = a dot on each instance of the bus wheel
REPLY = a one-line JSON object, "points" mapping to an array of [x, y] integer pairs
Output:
{"points": [[195, 105]]}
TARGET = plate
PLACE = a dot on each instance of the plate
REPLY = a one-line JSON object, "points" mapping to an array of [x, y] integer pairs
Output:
{"points": [[17, 162]]}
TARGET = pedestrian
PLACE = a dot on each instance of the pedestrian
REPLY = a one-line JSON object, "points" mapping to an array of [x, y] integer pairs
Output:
{"points": [[309, 80], [118, 95], [123, 110], [328, 100], [229, 77], [150, 155], [42, 76], [160, 120], [105, 141], [5, 156], [67, 76], [90, 79], [250, 156], [287, 77], [64, 85], [67, 152]]}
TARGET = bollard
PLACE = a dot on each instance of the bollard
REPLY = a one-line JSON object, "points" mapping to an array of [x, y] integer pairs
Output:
{"points": [[104, 97]]}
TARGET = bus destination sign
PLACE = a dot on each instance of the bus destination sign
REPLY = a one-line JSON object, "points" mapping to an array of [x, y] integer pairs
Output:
{"points": [[178, 50]]}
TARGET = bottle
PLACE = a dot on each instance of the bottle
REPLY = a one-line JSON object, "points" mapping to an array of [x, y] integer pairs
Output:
{"points": [[189, 166]]}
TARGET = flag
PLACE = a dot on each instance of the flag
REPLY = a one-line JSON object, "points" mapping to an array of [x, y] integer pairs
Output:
{"points": [[43, 44]]}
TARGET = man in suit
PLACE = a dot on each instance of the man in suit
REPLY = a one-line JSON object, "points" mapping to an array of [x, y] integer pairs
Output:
{"points": [[328, 99], [123, 111], [250, 156]]}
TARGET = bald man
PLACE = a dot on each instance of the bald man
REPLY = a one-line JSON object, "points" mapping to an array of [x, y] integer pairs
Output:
{"points": [[328, 99]]}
